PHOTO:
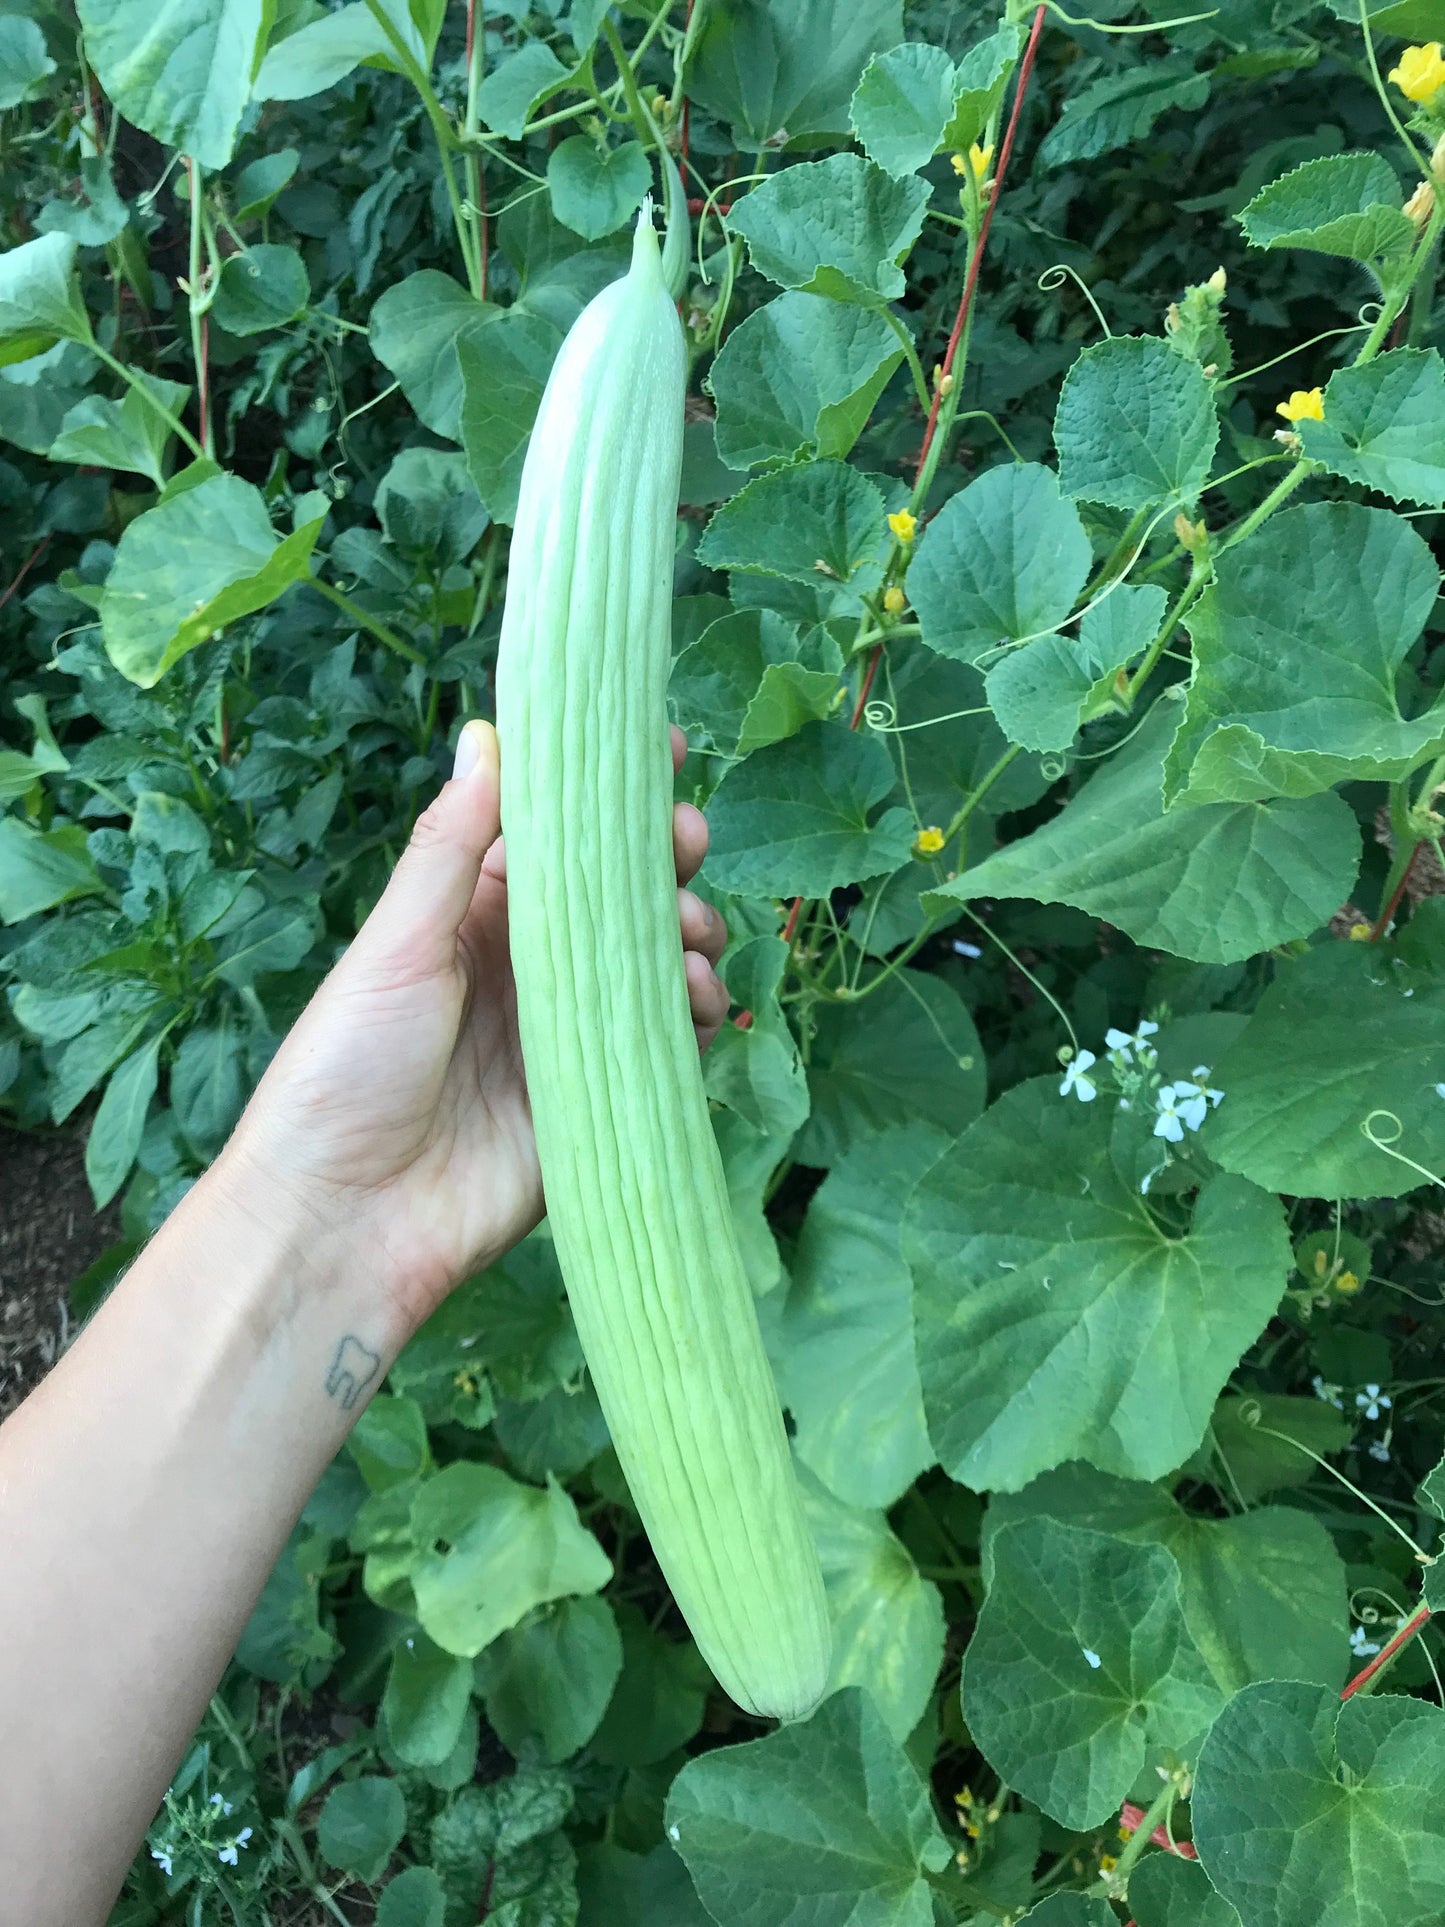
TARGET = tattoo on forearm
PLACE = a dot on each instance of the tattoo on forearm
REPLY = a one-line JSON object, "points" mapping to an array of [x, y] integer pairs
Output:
{"points": [[352, 1370]]}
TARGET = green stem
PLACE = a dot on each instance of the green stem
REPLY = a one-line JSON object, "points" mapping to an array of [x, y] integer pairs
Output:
{"points": [[1277, 496], [976, 796], [643, 124], [1192, 590], [1394, 303], [684, 54], [1109, 567], [1422, 299], [196, 307], [474, 155], [1383, 91], [442, 131], [372, 624], [136, 381], [1134, 1846], [915, 366]]}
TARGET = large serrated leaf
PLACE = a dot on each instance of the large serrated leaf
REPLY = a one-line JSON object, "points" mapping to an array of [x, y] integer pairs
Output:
{"points": [[1056, 1318]]}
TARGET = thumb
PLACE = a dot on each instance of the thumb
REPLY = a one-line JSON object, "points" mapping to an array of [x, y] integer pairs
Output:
{"points": [[416, 921]]}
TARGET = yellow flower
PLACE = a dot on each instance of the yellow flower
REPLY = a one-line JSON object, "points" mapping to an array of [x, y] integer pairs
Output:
{"points": [[894, 600], [1304, 405], [904, 525], [1347, 1282], [1107, 1862], [928, 842], [980, 159], [1421, 204], [1421, 72], [1361, 932]]}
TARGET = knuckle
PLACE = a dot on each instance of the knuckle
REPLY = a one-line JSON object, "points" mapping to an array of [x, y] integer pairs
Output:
{"points": [[430, 828]]}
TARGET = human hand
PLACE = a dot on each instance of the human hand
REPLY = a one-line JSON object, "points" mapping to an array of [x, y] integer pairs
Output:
{"points": [[393, 1122]]}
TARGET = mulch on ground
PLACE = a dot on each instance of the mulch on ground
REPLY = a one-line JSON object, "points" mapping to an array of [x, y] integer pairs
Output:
{"points": [[49, 1232]]}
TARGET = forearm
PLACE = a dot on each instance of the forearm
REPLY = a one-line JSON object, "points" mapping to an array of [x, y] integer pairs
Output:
{"points": [[146, 1488]]}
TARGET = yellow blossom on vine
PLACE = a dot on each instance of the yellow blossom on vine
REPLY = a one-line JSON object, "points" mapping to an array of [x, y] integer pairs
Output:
{"points": [[980, 159], [904, 525], [1421, 204], [1108, 1862], [1361, 933], [1421, 72], [928, 842], [1347, 1282], [894, 600], [1304, 405]]}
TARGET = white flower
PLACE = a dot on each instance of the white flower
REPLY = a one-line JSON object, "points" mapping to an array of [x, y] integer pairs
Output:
{"points": [[1093, 1658], [1123, 1042], [163, 1856], [1170, 1121], [1361, 1645], [1379, 1450], [223, 1804], [227, 1855], [1083, 1087], [1329, 1393], [1372, 1401]]}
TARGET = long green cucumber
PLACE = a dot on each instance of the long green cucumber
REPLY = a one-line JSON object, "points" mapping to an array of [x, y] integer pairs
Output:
{"points": [[635, 1190]]}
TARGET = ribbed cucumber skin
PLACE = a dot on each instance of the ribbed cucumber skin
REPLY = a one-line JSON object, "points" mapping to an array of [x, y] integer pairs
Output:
{"points": [[635, 1191]]}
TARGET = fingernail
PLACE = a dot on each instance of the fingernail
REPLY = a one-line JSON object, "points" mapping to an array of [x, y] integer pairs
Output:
{"points": [[477, 751], [469, 753]]}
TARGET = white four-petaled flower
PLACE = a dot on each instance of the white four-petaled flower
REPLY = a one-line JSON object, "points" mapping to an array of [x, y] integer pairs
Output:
{"points": [[1123, 1042], [1171, 1119], [1077, 1080], [163, 1856], [1372, 1401], [227, 1855], [1183, 1106], [1361, 1645]]}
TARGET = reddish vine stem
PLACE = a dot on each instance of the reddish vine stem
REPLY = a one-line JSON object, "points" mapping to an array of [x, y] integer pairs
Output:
{"points": [[965, 305], [1026, 68], [1388, 1652], [1386, 916], [34, 556]]}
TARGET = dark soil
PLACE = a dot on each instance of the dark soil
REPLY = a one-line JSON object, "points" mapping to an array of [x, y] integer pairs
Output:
{"points": [[49, 1232]]}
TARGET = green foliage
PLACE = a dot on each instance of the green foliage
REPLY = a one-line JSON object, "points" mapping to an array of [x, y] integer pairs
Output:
{"points": [[1082, 1670], [1306, 1807], [1051, 1307], [1082, 1162], [785, 1828]]}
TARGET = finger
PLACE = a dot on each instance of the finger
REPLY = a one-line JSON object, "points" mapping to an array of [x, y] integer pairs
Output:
{"points": [[689, 840], [703, 930], [678, 740], [415, 923], [494, 863], [706, 997]]}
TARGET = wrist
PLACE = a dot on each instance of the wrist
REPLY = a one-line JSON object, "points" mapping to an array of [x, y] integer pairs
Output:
{"points": [[295, 1260]]}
